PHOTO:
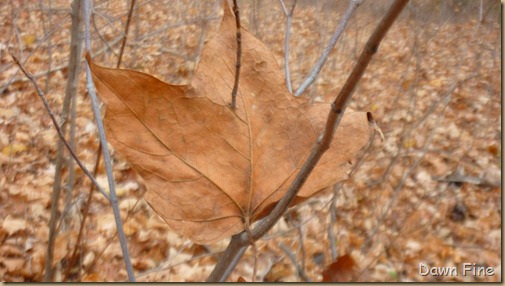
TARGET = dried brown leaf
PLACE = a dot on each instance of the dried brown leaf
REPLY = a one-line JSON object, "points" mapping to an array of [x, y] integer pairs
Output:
{"points": [[14, 265], [342, 270], [207, 167], [12, 225]]}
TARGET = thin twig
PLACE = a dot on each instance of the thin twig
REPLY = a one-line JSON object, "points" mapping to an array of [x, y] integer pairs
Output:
{"points": [[399, 186], [240, 242], [300, 241], [49, 43], [239, 54], [289, 16], [73, 205], [58, 129], [32, 52], [333, 203], [299, 270], [445, 99], [336, 113], [104, 41], [70, 91], [353, 5], [73, 257], [100, 253], [98, 158], [302, 250], [15, 79], [123, 44], [165, 28], [333, 218], [105, 150], [70, 164], [97, 161]]}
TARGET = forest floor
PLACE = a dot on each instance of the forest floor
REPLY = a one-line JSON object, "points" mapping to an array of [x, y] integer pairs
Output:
{"points": [[429, 193]]}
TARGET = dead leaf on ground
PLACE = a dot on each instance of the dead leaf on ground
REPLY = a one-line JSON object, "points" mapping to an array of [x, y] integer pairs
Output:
{"points": [[14, 265], [342, 270], [12, 225], [207, 167]]}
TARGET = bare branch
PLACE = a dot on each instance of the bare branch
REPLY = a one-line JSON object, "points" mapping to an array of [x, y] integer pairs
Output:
{"points": [[58, 129], [123, 44], [105, 150], [333, 202], [70, 92], [73, 257], [322, 59], [15, 79], [49, 44], [230, 257], [43, 40], [241, 241], [299, 270], [336, 113]]}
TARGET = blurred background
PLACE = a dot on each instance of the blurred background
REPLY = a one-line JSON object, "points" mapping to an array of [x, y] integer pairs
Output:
{"points": [[428, 192]]}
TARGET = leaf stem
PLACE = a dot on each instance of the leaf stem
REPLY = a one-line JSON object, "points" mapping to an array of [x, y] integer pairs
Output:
{"points": [[239, 54]]}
